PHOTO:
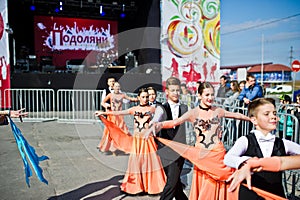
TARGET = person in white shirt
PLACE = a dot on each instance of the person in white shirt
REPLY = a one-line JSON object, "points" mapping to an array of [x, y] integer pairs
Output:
{"points": [[261, 143], [273, 164], [110, 84]]}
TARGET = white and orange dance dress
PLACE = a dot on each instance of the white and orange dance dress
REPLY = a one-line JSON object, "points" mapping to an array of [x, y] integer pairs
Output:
{"points": [[116, 103], [144, 172], [210, 173]]}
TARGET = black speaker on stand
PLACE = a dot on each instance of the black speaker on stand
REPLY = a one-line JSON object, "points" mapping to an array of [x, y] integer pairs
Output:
{"points": [[130, 61]]}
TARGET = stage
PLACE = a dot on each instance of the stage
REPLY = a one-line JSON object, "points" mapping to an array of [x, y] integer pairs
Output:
{"points": [[130, 81]]}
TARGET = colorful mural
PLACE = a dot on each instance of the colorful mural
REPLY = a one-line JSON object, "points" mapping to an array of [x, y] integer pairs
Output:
{"points": [[4, 58], [190, 40]]}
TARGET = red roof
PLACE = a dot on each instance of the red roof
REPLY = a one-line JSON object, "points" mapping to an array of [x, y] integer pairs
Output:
{"points": [[235, 67], [270, 68]]}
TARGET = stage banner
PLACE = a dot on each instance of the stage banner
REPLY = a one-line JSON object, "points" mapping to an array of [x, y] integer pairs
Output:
{"points": [[4, 58], [58, 39], [190, 41]]}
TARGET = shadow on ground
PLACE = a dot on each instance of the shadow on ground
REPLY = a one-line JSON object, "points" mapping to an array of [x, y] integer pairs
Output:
{"points": [[91, 188]]}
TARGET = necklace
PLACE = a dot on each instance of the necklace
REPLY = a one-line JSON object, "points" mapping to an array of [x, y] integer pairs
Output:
{"points": [[144, 105], [204, 108]]}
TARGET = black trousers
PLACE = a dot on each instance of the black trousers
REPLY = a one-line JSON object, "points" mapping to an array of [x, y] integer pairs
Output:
{"points": [[173, 187]]}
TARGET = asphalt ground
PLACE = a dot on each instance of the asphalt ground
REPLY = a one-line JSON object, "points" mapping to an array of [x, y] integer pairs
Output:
{"points": [[75, 170]]}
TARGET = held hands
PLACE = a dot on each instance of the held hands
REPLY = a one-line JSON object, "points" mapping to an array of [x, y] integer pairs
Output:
{"points": [[98, 113], [154, 127], [252, 165]]}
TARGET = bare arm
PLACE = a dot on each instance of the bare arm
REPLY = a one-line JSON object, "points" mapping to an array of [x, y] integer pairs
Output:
{"points": [[290, 162], [103, 103], [14, 113], [121, 112], [175, 122], [235, 115], [133, 99]]}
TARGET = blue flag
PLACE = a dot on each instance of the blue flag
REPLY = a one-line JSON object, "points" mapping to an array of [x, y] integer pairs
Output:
{"points": [[27, 151]]}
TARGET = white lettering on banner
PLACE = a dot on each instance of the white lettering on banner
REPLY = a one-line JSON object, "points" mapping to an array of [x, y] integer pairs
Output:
{"points": [[73, 38]]}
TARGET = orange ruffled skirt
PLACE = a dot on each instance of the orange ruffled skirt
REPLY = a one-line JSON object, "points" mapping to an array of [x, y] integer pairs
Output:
{"points": [[144, 172], [210, 173], [106, 143]]}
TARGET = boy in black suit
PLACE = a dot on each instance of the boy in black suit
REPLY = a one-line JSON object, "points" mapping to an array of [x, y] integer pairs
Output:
{"points": [[171, 161]]}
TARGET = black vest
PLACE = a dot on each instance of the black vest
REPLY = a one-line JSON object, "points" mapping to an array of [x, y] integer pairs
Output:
{"points": [[268, 181], [177, 134]]}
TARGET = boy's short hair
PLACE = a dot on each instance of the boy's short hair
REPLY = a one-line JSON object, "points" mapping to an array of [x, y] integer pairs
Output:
{"points": [[223, 77], [152, 88], [253, 105], [172, 81]]}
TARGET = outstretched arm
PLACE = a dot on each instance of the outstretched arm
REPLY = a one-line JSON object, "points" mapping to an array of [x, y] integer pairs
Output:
{"points": [[236, 115], [132, 99], [103, 103], [175, 122], [267, 164], [14, 113], [122, 112]]}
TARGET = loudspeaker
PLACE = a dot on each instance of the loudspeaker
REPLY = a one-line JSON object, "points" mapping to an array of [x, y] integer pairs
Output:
{"points": [[130, 61]]}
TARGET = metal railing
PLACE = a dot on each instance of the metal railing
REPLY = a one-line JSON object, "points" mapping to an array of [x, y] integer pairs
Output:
{"points": [[67, 105], [39, 102], [77, 105]]}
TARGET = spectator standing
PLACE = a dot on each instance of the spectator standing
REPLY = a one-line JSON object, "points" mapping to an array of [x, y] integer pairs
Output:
{"points": [[223, 88], [251, 90], [186, 95], [297, 111], [242, 85], [232, 94], [285, 100]]}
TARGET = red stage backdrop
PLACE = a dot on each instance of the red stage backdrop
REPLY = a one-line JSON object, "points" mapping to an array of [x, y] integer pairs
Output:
{"points": [[63, 39]]}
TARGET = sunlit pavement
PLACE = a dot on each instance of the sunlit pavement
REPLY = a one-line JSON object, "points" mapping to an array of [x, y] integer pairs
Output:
{"points": [[75, 170]]}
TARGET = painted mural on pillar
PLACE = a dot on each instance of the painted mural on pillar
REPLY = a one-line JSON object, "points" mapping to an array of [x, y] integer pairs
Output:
{"points": [[4, 58], [190, 41]]}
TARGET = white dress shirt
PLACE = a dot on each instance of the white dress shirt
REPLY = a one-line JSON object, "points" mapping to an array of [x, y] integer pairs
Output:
{"points": [[174, 109], [234, 157]]}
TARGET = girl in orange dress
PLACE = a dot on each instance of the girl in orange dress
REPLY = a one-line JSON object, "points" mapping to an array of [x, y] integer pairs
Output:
{"points": [[145, 172], [116, 101], [210, 173]]}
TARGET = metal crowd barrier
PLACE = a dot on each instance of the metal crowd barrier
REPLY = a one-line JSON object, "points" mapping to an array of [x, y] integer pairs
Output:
{"points": [[78, 105], [40, 103], [67, 105]]}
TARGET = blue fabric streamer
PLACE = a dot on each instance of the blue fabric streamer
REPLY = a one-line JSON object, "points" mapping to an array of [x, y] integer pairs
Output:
{"points": [[28, 151]]}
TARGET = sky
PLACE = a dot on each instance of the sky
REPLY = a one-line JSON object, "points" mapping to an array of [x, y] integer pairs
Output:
{"points": [[256, 31]]}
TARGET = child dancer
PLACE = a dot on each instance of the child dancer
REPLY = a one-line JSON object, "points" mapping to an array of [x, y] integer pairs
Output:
{"points": [[115, 99], [210, 175], [272, 164], [144, 172], [261, 143]]}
